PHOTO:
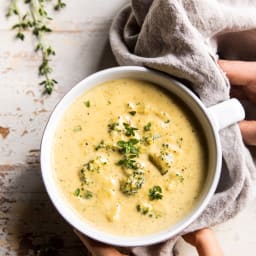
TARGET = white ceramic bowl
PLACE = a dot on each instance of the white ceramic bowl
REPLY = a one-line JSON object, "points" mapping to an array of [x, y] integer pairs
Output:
{"points": [[211, 120]]}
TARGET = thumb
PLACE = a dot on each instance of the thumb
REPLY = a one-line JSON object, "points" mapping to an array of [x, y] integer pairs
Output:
{"points": [[248, 130]]}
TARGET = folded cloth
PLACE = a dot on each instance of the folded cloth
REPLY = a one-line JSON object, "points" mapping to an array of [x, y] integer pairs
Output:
{"points": [[179, 37]]}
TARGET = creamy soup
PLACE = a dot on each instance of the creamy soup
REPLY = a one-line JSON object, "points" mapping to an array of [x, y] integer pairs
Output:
{"points": [[129, 158]]}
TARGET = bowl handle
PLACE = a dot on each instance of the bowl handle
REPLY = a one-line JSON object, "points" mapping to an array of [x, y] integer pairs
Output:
{"points": [[226, 113]]}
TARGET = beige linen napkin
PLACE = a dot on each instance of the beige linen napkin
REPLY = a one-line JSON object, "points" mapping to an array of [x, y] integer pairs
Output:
{"points": [[179, 37]]}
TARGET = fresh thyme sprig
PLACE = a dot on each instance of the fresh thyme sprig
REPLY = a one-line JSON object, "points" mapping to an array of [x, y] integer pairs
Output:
{"points": [[35, 19], [59, 5]]}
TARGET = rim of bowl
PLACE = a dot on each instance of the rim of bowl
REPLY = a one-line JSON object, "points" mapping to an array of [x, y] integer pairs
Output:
{"points": [[62, 205]]}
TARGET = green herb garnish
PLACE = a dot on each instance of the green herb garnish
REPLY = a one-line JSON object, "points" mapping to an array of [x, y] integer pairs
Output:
{"points": [[77, 128], [87, 103], [33, 18], [87, 194], [129, 131], [82, 176], [155, 193], [128, 147], [128, 163], [147, 127], [100, 145], [59, 5], [136, 178], [77, 192], [133, 113], [142, 209], [113, 127], [146, 209], [91, 166], [180, 176]]}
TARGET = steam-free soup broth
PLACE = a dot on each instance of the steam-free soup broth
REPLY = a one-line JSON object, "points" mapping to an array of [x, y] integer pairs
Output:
{"points": [[129, 158]]}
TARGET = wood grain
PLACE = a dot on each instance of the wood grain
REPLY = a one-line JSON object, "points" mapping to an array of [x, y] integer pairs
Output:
{"points": [[28, 220]]}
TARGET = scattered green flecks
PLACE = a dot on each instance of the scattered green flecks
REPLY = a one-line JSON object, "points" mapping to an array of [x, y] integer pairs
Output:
{"points": [[100, 145], [87, 194], [33, 18], [87, 103], [142, 209], [133, 113], [77, 192], [128, 142], [180, 177], [77, 128], [147, 210], [113, 127], [92, 166], [147, 127], [179, 142]]}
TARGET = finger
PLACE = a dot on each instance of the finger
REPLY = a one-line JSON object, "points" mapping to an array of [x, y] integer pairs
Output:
{"points": [[248, 130], [239, 72], [195, 237], [205, 242], [97, 248], [84, 239]]}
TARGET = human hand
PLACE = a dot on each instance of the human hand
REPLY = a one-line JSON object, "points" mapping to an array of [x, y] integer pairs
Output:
{"points": [[205, 242], [97, 248], [242, 76]]}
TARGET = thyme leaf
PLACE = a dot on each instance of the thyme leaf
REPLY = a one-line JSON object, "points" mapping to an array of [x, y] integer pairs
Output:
{"points": [[129, 131], [147, 127], [33, 18]]}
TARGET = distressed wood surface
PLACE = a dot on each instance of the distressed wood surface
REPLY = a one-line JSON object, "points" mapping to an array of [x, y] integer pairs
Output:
{"points": [[28, 220]]}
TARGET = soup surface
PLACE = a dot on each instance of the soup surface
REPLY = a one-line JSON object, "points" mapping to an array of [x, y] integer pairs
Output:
{"points": [[129, 158]]}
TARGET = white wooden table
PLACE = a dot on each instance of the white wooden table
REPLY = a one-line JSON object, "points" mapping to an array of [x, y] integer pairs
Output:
{"points": [[27, 217]]}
